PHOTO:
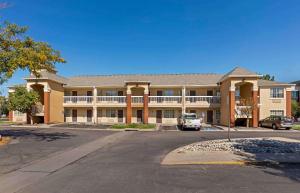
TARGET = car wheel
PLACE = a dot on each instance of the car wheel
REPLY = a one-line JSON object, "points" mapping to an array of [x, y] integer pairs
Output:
{"points": [[197, 129], [274, 127], [288, 128]]}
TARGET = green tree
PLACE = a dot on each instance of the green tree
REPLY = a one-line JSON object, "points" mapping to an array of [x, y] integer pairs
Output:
{"points": [[3, 105], [22, 100], [268, 77], [19, 51], [295, 108]]}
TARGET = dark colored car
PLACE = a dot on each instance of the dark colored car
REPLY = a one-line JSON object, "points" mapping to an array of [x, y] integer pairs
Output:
{"points": [[277, 122]]}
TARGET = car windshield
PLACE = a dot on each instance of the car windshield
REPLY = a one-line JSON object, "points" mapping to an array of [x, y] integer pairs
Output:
{"points": [[190, 116]]}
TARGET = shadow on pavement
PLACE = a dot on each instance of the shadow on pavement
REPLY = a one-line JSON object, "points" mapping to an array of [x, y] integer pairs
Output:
{"points": [[42, 136]]}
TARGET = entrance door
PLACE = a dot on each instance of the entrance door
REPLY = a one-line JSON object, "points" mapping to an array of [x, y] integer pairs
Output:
{"points": [[210, 116], [159, 116], [139, 116], [74, 99], [192, 93], [159, 93], [74, 115], [120, 116], [89, 93], [89, 115]]}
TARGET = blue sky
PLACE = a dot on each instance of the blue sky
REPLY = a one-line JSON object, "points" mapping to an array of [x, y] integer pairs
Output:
{"points": [[166, 36]]}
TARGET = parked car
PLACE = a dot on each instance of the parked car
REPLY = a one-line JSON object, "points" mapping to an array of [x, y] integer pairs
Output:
{"points": [[277, 122], [189, 120]]}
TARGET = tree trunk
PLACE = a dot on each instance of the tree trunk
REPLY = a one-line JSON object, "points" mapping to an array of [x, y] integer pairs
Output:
{"points": [[248, 122]]}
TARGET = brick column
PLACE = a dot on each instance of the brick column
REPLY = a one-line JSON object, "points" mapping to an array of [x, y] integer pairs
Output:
{"points": [[10, 116], [129, 108], [288, 103], [232, 108], [255, 109], [46, 106], [146, 109]]}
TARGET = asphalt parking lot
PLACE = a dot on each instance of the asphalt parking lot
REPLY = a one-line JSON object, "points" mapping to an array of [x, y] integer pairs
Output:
{"points": [[133, 165]]}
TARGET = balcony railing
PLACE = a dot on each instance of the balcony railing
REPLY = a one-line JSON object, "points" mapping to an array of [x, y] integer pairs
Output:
{"points": [[165, 99], [78, 99], [206, 99], [111, 99], [137, 99]]}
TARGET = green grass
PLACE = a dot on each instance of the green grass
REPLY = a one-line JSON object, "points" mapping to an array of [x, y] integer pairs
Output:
{"points": [[5, 122], [134, 126], [297, 127]]}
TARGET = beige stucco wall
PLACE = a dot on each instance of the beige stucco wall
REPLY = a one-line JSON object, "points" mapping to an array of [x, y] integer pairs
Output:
{"points": [[81, 115], [202, 91], [101, 117], [19, 117], [267, 103], [165, 121], [176, 91], [80, 91], [103, 91], [56, 102]]}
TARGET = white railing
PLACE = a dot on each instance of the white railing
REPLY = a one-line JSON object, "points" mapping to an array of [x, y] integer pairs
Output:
{"points": [[37, 109], [111, 99], [137, 99], [208, 99], [165, 99], [78, 99]]}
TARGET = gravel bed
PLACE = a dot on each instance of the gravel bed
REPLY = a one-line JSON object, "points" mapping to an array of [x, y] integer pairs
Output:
{"points": [[244, 145]]}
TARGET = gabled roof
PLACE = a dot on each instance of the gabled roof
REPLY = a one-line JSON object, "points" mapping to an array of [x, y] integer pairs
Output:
{"points": [[272, 83], [296, 82], [48, 76], [239, 72]]}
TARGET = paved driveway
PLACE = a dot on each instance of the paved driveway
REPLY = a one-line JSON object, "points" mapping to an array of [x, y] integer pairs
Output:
{"points": [[133, 165], [31, 144]]}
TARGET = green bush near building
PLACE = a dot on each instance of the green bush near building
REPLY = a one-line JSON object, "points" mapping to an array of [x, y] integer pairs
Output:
{"points": [[134, 126]]}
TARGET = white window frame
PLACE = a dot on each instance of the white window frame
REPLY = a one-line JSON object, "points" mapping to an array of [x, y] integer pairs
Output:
{"points": [[169, 114], [277, 93], [168, 92], [276, 113], [111, 93], [111, 113]]}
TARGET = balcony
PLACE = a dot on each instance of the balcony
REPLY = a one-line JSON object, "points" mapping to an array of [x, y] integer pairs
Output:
{"points": [[38, 110], [168, 101], [78, 100], [202, 101], [111, 101], [137, 100]]}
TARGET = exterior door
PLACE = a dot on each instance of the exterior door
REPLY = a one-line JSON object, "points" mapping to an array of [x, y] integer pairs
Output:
{"points": [[120, 116], [210, 116], [74, 115], [159, 93], [139, 116], [89, 115], [192, 93], [74, 99], [159, 116], [89, 93]]}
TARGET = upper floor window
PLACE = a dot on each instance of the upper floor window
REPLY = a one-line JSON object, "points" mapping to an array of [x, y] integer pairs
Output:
{"points": [[168, 92], [111, 93], [295, 95], [277, 93]]}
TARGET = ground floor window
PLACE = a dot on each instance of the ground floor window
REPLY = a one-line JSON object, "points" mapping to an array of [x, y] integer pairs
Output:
{"points": [[169, 114], [276, 113], [111, 113], [18, 114]]}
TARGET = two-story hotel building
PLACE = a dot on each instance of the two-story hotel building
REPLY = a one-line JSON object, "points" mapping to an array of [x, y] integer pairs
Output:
{"points": [[155, 98]]}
